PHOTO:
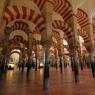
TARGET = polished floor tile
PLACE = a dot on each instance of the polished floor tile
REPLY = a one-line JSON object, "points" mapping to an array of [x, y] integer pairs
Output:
{"points": [[17, 83]]}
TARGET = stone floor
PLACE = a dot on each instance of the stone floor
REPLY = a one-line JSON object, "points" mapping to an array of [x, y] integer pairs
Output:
{"points": [[17, 83]]}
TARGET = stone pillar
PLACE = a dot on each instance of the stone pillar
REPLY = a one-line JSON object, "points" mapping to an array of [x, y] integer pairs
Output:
{"points": [[75, 62], [46, 40], [91, 49], [5, 48], [73, 47], [56, 58], [36, 56], [30, 38], [46, 68], [81, 64], [23, 58], [60, 52]]}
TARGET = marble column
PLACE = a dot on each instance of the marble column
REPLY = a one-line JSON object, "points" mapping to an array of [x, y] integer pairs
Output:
{"points": [[73, 47], [60, 52], [46, 41], [56, 58], [36, 56], [91, 49], [5, 47], [30, 39], [29, 63], [46, 68]]}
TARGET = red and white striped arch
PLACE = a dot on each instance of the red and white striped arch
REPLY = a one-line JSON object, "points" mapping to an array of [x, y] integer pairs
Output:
{"points": [[17, 40], [56, 35], [82, 18], [57, 24], [63, 8], [83, 21], [84, 35], [14, 46], [39, 3], [19, 25], [17, 12], [14, 52], [52, 51], [93, 28]]}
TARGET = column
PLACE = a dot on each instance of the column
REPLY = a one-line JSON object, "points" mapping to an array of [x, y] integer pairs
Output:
{"points": [[75, 63], [91, 49], [46, 68], [36, 56], [30, 38], [73, 47], [29, 63], [56, 58], [46, 41], [60, 52], [80, 56], [23, 58], [5, 48]]}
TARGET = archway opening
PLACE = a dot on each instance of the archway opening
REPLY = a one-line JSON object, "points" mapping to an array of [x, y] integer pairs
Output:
{"points": [[14, 58]]}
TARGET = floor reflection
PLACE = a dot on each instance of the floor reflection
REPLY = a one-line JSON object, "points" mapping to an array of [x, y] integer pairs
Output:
{"points": [[18, 83], [9, 75]]}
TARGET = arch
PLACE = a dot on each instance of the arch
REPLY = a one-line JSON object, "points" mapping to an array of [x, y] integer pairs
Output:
{"points": [[63, 8], [19, 33], [27, 3], [83, 21], [15, 46], [93, 25], [18, 39], [65, 28], [39, 3], [15, 52], [19, 25], [56, 35], [17, 12], [52, 50], [82, 18], [84, 35]]}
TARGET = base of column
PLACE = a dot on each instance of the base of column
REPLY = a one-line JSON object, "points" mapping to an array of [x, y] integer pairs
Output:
{"points": [[77, 78], [93, 74], [36, 65], [46, 76], [46, 84], [92, 67], [61, 67], [93, 71], [76, 74]]}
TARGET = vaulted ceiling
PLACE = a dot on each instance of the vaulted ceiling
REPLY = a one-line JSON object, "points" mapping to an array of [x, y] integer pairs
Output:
{"points": [[16, 13]]}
